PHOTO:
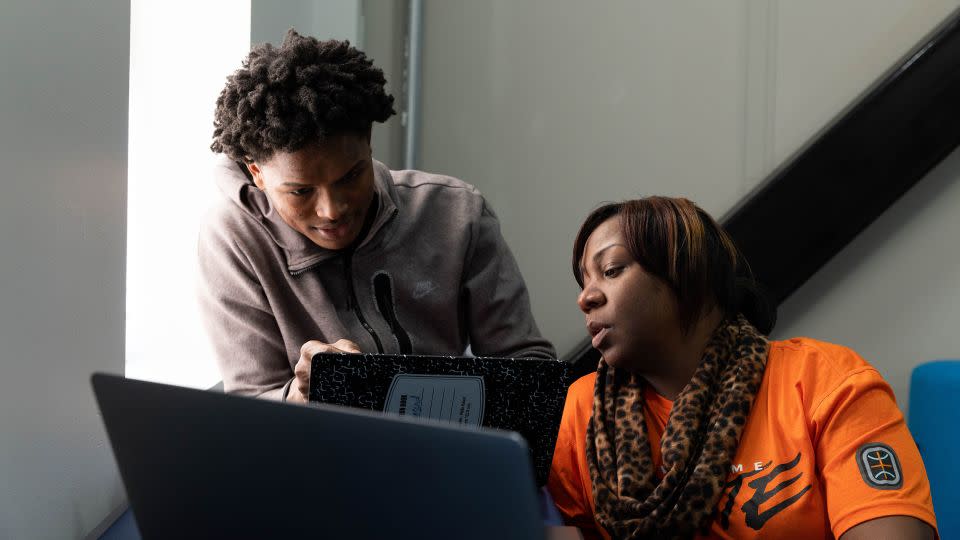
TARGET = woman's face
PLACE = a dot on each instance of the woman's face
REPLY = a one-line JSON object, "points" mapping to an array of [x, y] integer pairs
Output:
{"points": [[321, 191], [630, 314]]}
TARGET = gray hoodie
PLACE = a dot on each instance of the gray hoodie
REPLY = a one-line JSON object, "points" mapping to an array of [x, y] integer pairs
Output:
{"points": [[432, 275]]}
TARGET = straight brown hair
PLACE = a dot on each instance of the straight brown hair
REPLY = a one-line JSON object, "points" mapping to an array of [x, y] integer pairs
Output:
{"points": [[676, 241]]}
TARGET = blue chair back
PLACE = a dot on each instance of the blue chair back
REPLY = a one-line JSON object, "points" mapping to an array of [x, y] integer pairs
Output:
{"points": [[934, 421]]}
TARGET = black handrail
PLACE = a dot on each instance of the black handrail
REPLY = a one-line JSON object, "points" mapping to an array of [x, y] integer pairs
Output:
{"points": [[829, 191]]}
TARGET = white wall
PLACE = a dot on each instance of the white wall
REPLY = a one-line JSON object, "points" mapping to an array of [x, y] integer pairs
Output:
{"points": [[322, 19], [552, 107], [383, 27], [63, 127]]}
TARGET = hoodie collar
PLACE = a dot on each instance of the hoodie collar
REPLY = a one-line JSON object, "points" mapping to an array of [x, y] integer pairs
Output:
{"points": [[301, 253]]}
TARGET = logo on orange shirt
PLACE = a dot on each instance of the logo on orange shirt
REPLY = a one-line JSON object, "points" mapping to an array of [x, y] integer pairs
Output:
{"points": [[879, 466], [756, 517]]}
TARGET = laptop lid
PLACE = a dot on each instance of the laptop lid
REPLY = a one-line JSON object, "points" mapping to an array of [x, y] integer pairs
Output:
{"points": [[200, 464], [525, 395]]}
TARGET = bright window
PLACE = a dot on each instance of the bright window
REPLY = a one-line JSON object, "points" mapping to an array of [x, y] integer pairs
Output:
{"points": [[180, 55]]}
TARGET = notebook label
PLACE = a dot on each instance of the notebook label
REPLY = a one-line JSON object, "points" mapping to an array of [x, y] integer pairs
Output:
{"points": [[454, 398]]}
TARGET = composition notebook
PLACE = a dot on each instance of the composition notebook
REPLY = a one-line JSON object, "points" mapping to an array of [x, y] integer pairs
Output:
{"points": [[524, 395]]}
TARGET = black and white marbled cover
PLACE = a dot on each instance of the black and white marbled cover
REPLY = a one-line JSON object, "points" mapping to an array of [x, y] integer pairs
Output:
{"points": [[525, 395]]}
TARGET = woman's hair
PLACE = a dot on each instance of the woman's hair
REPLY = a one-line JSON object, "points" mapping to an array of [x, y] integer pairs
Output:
{"points": [[676, 241], [287, 97]]}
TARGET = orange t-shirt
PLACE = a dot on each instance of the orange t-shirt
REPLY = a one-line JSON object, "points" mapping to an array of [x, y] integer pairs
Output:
{"points": [[825, 448]]}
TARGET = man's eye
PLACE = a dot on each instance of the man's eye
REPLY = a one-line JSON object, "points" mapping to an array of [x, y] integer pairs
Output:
{"points": [[350, 177], [300, 192]]}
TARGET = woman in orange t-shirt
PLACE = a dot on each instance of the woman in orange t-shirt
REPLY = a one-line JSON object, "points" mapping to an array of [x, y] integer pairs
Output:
{"points": [[696, 425]]}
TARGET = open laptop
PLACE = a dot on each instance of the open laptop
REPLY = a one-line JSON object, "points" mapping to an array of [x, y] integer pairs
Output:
{"points": [[200, 464]]}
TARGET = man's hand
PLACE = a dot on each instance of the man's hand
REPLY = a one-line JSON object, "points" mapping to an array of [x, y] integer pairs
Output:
{"points": [[300, 387]]}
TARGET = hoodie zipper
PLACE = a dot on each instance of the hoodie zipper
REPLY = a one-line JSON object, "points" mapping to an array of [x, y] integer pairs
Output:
{"points": [[354, 305], [384, 294]]}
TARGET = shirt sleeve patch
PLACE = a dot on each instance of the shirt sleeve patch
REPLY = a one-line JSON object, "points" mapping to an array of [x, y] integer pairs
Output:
{"points": [[879, 466]]}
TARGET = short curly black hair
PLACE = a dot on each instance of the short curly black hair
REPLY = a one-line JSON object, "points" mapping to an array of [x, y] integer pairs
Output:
{"points": [[305, 90]]}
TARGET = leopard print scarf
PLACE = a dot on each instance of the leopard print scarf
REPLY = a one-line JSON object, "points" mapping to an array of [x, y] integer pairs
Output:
{"points": [[698, 444]]}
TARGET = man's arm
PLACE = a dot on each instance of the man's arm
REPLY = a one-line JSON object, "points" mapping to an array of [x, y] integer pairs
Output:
{"points": [[247, 343], [499, 318]]}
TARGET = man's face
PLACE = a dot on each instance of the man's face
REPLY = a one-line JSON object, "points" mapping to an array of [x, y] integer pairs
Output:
{"points": [[323, 191]]}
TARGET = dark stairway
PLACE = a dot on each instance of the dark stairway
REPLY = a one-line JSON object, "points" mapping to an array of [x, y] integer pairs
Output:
{"points": [[854, 170]]}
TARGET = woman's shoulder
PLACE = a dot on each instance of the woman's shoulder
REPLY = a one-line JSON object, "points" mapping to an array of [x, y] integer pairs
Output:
{"points": [[814, 369], [579, 405], [582, 388], [802, 354]]}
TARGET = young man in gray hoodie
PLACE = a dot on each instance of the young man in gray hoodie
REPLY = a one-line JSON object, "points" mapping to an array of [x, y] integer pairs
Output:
{"points": [[317, 247]]}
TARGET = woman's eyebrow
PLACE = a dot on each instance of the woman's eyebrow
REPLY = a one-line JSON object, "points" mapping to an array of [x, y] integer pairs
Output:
{"points": [[599, 253]]}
